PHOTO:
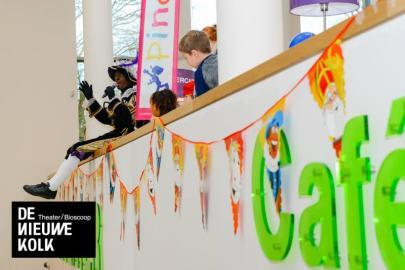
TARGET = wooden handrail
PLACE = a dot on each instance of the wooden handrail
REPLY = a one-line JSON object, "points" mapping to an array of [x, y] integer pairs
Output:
{"points": [[372, 16]]}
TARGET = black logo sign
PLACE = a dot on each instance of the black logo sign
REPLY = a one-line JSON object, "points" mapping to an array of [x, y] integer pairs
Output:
{"points": [[53, 229]]}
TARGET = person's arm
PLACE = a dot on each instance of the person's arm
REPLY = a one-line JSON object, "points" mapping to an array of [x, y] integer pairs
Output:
{"points": [[93, 107], [100, 113], [116, 114], [210, 71]]}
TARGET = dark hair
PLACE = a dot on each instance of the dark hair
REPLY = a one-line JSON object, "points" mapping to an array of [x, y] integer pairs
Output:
{"points": [[164, 100]]}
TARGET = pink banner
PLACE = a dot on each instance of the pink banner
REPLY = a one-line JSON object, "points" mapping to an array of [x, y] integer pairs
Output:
{"points": [[158, 41]]}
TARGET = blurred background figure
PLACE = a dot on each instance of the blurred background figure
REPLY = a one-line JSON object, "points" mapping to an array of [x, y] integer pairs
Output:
{"points": [[211, 31]]}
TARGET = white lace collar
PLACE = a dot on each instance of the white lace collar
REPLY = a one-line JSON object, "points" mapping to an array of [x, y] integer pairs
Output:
{"points": [[127, 93]]}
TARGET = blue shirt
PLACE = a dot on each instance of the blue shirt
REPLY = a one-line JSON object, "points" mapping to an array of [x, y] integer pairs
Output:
{"points": [[206, 75]]}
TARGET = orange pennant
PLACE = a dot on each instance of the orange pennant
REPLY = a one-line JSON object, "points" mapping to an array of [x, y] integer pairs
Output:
{"points": [[234, 148], [100, 184], [178, 147], [123, 199], [137, 207], [327, 83], [201, 151]]}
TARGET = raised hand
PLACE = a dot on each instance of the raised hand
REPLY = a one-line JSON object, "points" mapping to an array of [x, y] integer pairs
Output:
{"points": [[86, 89]]}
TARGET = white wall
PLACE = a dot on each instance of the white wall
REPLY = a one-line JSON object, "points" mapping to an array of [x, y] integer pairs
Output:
{"points": [[374, 78], [38, 106]]}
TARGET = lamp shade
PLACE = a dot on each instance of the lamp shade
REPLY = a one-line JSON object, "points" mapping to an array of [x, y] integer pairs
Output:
{"points": [[312, 7]]}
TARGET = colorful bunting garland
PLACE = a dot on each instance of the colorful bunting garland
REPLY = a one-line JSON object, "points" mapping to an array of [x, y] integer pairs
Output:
{"points": [[178, 148], [82, 186], [201, 153], [270, 135], [235, 149], [99, 184], [326, 78], [112, 173], [137, 207], [148, 175], [123, 199], [160, 137]]}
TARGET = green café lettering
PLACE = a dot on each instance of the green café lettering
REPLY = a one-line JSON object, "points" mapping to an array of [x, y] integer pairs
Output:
{"points": [[353, 172]]}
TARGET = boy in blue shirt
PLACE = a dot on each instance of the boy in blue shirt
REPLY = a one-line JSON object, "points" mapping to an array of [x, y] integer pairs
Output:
{"points": [[195, 48]]}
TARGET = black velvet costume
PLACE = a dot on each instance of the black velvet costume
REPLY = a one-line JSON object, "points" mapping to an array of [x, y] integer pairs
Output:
{"points": [[119, 114]]}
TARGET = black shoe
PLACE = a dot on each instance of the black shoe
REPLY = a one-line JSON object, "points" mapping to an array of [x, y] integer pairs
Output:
{"points": [[40, 190]]}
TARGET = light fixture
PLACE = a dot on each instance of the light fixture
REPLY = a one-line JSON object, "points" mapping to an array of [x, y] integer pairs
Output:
{"points": [[318, 8]]}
